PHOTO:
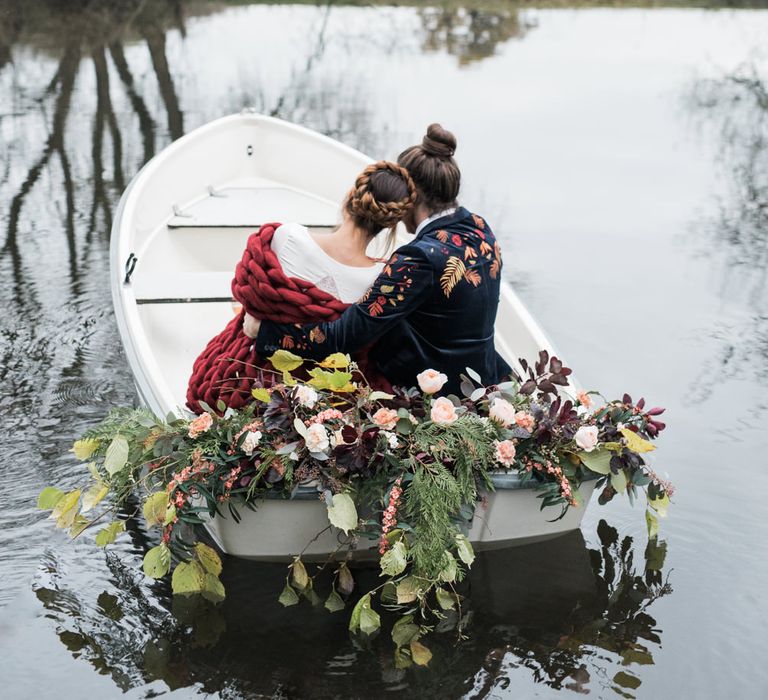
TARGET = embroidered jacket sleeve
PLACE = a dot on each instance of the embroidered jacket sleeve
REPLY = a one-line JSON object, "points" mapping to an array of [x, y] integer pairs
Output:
{"points": [[401, 287]]}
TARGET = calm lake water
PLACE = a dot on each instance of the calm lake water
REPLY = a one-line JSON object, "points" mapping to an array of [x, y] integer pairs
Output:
{"points": [[622, 157]]}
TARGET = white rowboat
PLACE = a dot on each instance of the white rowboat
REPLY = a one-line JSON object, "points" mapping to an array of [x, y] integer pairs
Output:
{"points": [[178, 233]]}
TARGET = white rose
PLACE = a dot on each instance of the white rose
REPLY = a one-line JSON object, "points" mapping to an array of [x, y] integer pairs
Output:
{"points": [[431, 381], [252, 439], [586, 437], [391, 439], [306, 396], [502, 412], [317, 438]]}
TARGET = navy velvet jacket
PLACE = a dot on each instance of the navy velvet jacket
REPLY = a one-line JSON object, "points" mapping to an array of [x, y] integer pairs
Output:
{"points": [[433, 306]]}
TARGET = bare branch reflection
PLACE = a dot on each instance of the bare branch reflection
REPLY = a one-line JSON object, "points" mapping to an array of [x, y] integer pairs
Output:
{"points": [[734, 108]]}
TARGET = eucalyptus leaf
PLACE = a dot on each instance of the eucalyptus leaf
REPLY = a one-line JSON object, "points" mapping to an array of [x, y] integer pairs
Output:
{"points": [[284, 361], [93, 496], [652, 523], [117, 455], [404, 631], [342, 512], [445, 599], [598, 461], [299, 574], [188, 578], [394, 560], [474, 375], [619, 481], [408, 590], [155, 507], [420, 654], [83, 449], [49, 497], [108, 534], [213, 588], [334, 602], [157, 561], [288, 597], [464, 549], [209, 558]]}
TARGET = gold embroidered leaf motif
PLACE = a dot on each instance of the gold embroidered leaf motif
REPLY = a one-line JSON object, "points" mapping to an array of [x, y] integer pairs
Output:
{"points": [[442, 236], [316, 335], [287, 342], [473, 277], [387, 288], [470, 253], [478, 221], [485, 247], [494, 271], [454, 271]]}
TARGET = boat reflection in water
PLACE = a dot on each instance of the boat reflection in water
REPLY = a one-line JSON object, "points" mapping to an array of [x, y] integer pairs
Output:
{"points": [[571, 616]]}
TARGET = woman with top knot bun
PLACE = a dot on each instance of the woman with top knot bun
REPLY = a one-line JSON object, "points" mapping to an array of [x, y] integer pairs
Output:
{"points": [[433, 307]]}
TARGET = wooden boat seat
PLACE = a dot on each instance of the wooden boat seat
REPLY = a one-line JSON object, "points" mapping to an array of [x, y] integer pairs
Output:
{"points": [[250, 207], [187, 287]]}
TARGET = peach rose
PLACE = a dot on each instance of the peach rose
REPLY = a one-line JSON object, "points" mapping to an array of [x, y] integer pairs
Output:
{"points": [[431, 381], [586, 437], [502, 412], [201, 424], [385, 418], [584, 399], [505, 452], [443, 411], [317, 438], [524, 420]]}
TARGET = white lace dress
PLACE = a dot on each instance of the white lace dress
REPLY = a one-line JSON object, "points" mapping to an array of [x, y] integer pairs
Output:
{"points": [[300, 256]]}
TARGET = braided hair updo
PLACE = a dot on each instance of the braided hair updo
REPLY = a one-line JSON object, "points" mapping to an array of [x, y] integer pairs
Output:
{"points": [[383, 194]]}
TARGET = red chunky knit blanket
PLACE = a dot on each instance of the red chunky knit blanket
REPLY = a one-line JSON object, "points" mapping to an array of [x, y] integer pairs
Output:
{"points": [[228, 366]]}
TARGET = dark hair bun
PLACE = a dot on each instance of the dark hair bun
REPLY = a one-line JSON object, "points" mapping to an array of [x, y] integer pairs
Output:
{"points": [[439, 142]]}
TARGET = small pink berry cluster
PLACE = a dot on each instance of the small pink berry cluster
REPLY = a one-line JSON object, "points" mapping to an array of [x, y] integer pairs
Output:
{"points": [[229, 481], [390, 515], [666, 484], [327, 415], [557, 472]]}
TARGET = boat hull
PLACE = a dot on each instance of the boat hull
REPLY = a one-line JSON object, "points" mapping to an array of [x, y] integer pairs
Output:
{"points": [[280, 529]]}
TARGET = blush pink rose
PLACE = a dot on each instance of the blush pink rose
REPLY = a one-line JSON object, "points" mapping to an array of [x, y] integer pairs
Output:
{"points": [[317, 439], [385, 418], [524, 420], [443, 411], [431, 381], [502, 412], [586, 437], [505, 452], [201, 424]]}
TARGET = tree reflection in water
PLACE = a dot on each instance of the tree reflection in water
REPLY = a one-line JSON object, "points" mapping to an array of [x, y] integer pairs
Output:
{"points": [[472, 33], [734, 108], [569, 616]]}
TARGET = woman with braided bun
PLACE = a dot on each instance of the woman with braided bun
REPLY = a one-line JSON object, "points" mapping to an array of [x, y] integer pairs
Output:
{"points": [[288, 273], [434, 304]]}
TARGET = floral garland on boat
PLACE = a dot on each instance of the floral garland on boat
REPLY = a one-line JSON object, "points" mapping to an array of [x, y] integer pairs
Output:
{"points": [[414, 464]]}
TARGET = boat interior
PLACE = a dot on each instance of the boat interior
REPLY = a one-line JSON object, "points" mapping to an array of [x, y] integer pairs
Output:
{"points": [[185, 223]]}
